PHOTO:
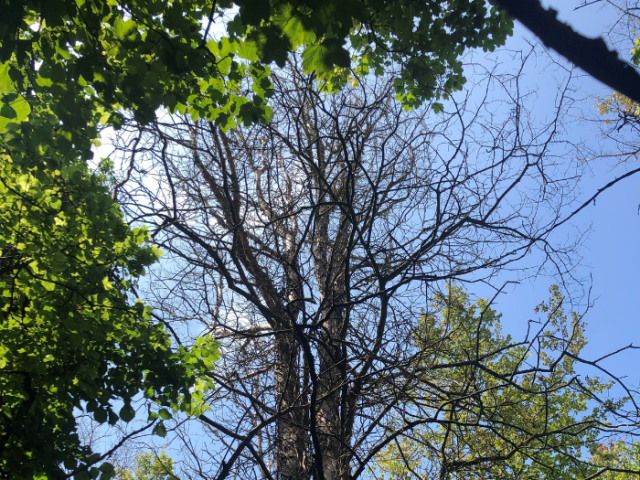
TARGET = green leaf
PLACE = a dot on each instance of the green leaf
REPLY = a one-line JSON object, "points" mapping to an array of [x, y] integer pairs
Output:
{"points": [[6, 83], [127, 413], [253, 12], [160, 430], [79, 339], [14, 112], [296, 27], [106, 467], [82, 475], [271, 45], [9, 98], [113, 418], [124, 30], [92, 405], [7, 111], [323, 58], [248, 51], [437, 107], [635, 52], [100, 415], [164, 414]]}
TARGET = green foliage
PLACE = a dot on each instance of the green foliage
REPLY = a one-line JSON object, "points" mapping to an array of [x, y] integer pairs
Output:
{"points": [[635, 52], [70, 338], [619, 109], [622, 108], [620, 457], [424, 40], [91, 60], [149, 466], [494, 423]]}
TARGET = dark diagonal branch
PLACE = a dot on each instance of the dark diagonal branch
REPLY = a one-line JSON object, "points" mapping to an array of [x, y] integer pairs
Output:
{"points": [[590, 54]]}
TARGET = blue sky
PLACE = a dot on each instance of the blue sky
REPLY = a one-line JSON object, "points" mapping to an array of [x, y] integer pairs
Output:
{"points": [[611, 251], [611, 256]]}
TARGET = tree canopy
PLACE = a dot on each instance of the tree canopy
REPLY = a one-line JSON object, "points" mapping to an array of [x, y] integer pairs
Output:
{"points": [[498, 432], [71, 337], [91, 58], [88, 60], [149, 466]]}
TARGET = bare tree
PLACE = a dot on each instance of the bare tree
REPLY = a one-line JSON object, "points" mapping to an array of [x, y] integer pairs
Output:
{"points": [[311, 247]]}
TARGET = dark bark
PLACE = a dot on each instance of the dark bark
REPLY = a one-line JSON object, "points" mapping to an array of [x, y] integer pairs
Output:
{"points": [[590, 54], [311, 247]]}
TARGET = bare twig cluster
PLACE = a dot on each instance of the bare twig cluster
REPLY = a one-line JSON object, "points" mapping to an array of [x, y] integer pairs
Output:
{"points": [[312, 248]]}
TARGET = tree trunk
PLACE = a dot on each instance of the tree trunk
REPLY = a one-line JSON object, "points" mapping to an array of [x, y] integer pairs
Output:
{"points": [[291, 443]]}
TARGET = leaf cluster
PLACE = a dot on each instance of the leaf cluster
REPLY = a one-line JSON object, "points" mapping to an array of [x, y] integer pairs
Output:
{"points": [[493, 421], [90, 61], [149, 466], [72, 338]]}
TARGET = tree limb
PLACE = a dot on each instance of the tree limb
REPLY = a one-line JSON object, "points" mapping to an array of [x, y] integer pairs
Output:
{"points": [[590, 54]]}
